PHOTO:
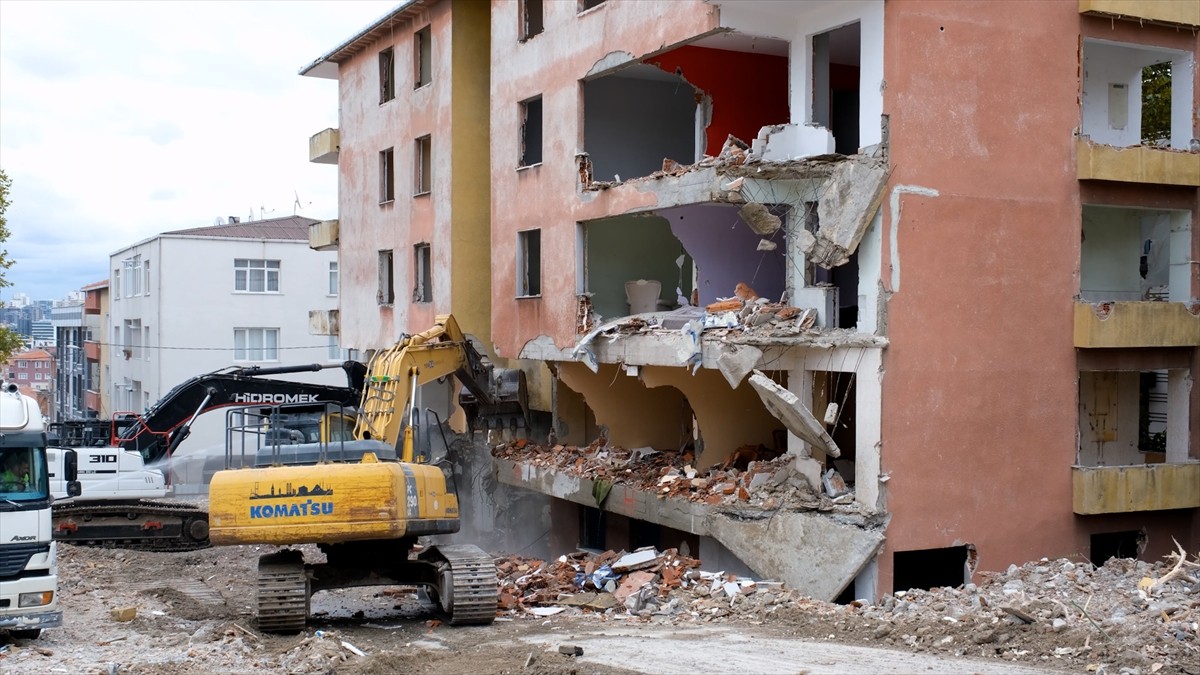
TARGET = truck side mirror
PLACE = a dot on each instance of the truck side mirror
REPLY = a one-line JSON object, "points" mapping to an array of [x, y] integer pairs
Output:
{"points": [[70, 465]]}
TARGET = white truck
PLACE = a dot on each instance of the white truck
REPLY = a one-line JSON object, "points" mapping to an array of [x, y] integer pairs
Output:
{"points": [[28, 554]]}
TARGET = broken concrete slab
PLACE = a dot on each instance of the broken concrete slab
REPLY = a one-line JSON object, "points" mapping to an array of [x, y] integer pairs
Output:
{"points": [[632, 584], [852, 196], [760, 219], [639, 559], [737, 363], [784, 142], [811, 553], [787, 408]]}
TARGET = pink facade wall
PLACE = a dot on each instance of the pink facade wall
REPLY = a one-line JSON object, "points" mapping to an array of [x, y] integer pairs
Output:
{"points": [[552, 65], [366, 227], [980, 383]]}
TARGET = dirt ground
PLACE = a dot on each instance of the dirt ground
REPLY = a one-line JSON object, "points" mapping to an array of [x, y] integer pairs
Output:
{"points": [[195, 614]]}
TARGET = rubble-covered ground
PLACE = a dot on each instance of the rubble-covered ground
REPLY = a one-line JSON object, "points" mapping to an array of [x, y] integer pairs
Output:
{"points": [[193, 613]]}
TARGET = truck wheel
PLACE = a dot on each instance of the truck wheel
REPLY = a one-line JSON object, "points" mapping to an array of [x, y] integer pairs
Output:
{"points": [[26, 634]]}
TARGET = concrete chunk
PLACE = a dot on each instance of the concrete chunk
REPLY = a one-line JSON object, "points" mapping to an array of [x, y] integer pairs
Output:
{"points": [[735, 365], [845, 210], [787, 408], [760, 219]]}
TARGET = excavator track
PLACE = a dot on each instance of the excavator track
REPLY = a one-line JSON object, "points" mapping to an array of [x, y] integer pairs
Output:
{"points": [[283, 592], [467, 589], [145, 525]]}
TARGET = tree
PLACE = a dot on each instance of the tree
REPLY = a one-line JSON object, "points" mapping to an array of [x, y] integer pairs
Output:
{"points": [[10, 341], [1156, 104]]}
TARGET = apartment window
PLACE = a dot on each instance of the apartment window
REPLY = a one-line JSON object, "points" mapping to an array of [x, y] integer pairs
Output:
{"points": [[255, 276], [146, 278], [255, 344], [133, 275], [531, 132], [424, 166], [529, 263], [22, 364], [116, 284], [588, 4], [531, 18], [423, 57], [387, 178], [22, 376], [423, 286], [333, 278], [336, 353], [387, 286], [387, 75]]}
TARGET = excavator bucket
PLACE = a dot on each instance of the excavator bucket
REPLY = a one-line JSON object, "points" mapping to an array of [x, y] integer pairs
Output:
{"points": [[509, 407]]}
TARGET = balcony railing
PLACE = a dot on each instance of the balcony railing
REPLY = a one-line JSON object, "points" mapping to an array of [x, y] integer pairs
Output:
{"points": [[1137, 164], [323, 147], [323, 236], [1131, 489], [1135, 324]]}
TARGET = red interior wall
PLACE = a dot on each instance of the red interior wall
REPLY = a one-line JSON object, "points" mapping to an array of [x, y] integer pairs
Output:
{"points": [[749, 91]]}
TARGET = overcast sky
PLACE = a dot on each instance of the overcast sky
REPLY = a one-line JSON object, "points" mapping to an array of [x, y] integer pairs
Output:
{"points": [[120, 120]]}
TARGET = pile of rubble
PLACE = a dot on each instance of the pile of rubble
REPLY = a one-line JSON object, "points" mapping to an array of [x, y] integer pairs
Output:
{"points": [[754, 476], [1124, 617]]}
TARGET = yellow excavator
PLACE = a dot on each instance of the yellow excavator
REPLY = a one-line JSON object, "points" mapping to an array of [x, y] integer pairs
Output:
{"points": [[365, 501]]}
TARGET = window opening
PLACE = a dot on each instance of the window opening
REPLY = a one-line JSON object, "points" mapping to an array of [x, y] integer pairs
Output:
{"points": [[387, 287], [255, 275], [387, 182], [531, 18], [424, 166], [387, 75], [930, 568], [529, 263], [1108, 545], [592, 525], [835, 75], [531, 132], [333, 278], [585, 5], [1156, 104], [255, 344], [423, 56], [422, 271]]}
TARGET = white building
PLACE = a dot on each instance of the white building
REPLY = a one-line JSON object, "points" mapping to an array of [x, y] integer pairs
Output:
{"points": [[193, 301]]}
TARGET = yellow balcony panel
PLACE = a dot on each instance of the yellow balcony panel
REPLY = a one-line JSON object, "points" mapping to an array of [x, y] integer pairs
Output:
{"points": [[323, 147], [1131, 489], [1135, 324], [323, 322], [1137, 164], [1174, 12], [323, 236]]}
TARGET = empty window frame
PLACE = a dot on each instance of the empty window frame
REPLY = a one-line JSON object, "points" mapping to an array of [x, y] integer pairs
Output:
{"points": [[529, 263], [255, 344], [422, 274], [333, 278], [387, 286], [255, 276], [387, 75], [531, 132], [423, 169], [387, 176], [423, 57], [588, 4], [531, 18]]}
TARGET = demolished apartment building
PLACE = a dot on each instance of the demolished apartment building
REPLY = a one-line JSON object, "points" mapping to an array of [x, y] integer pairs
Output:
{"points": [[698, 243]]}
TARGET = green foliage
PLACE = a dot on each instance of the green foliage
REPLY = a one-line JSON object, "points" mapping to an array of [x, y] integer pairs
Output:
{"points": [[10, 342], [1156, 103]]}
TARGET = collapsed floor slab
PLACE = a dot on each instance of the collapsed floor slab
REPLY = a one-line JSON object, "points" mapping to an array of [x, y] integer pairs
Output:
{"points": [[817, 554]]}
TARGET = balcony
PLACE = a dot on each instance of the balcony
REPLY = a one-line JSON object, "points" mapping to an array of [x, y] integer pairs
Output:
{"points": [[323, 322], [1135, 324], [1137, 164], [323, 147], [323, 236], [91, 400], [1132, 489], [91, 303], [91, 350], [1172, 12]]}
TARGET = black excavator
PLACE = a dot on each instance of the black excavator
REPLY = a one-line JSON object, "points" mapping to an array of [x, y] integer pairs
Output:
{"points": [[124, 462]]}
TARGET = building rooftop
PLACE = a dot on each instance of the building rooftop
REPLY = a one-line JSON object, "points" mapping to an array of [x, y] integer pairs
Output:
{"points": [[290, 227]]}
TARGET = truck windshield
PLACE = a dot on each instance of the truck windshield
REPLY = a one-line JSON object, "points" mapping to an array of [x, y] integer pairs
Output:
{"points": [[23, 474]]}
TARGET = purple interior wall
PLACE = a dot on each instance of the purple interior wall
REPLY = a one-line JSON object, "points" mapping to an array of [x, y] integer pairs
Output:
{"points": [[726, 251]]}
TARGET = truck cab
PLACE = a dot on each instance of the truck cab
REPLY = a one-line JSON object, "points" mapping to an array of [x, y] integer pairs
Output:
{"points": [[28, 554]]}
